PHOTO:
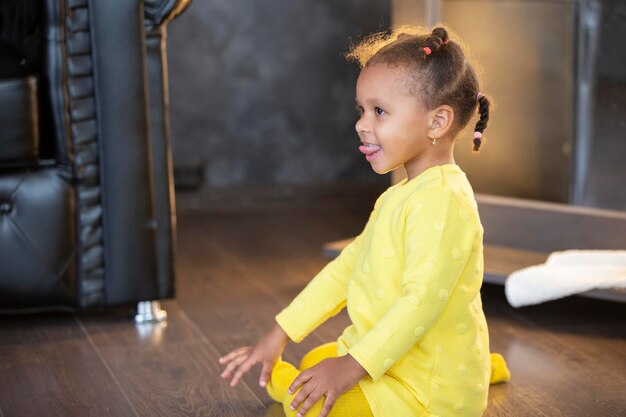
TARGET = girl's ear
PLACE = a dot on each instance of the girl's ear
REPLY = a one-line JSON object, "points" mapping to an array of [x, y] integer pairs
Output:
{"points": [[441, 121]]}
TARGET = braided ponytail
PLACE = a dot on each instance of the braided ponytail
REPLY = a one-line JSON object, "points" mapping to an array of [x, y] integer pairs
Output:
{"points": [[481, 125]]}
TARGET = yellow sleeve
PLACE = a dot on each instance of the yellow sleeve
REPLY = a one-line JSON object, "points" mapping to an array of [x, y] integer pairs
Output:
{"points": [[437, 243], [326, 294]]}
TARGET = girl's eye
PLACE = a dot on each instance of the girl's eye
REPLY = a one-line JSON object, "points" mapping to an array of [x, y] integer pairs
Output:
{"points": [[359, 109], [379, 111]]}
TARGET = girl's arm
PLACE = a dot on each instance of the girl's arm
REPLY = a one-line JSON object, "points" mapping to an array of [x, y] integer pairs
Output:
{"points": [[326, 294], [322, 298], [440, 233]]}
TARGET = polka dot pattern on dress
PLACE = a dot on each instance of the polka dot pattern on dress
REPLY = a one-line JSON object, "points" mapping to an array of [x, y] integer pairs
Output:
{"points": [[380, 293], [430, 264], [388, 363], [386, 332], [462, 369], [443, 294], [461, 328], [396, 214], [414, 300], [456, 253], [439, 225], [419, 331]]}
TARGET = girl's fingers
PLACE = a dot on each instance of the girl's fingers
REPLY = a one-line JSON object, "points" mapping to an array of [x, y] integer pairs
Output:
{"points": [[328, 404], [302, 395], [245, 367], [233, 364], [265, 373], [310, 400], [300, 379], [228, 357]]}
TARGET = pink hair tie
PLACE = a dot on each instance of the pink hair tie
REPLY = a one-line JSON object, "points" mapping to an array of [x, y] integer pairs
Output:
{"points": [[427, 50], [478, 135]]}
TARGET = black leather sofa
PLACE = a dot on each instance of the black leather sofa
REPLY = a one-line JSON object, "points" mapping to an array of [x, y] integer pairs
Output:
{"points": [[87, 215]]}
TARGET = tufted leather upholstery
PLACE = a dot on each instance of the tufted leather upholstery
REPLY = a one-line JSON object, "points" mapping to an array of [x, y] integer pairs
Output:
{"points": [[37, 240], [19, 119], [86, 198]]}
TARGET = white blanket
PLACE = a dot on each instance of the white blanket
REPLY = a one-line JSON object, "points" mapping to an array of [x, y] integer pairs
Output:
{"points": [[567, 273]]}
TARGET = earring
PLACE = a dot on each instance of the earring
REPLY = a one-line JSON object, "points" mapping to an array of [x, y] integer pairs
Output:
{"points": [[434, 140]]}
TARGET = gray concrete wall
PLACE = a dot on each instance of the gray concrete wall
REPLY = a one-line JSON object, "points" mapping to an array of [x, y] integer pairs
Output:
{"points": [[261, 94]]}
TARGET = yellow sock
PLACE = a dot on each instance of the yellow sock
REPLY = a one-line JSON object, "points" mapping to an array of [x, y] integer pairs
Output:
{"points": [[499, 371], [281, 377], [315, 356]]}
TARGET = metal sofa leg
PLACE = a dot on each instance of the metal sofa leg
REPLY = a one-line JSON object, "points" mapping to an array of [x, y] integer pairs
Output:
{"points": [[150, 312]]}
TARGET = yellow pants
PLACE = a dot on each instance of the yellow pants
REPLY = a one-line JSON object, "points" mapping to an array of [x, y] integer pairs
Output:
{"points": [[352, 403]]}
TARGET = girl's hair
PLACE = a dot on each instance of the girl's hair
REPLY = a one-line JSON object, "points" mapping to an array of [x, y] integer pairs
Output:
{"points": [[438, 68]]}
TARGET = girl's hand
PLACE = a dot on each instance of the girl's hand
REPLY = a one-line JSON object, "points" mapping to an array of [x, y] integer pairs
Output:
{"points": [[266, 352], [330, 378]]}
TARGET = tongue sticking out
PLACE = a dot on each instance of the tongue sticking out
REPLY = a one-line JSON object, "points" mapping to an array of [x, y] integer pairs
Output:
{"points": [[368, 150]]}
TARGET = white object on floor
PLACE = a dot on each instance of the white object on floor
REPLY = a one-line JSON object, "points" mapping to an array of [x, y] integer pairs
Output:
{"points": [[567, 273]]}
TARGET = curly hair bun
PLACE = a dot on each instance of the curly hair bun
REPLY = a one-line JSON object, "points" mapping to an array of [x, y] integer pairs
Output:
{"points": [[440, 33], [433, 42]]}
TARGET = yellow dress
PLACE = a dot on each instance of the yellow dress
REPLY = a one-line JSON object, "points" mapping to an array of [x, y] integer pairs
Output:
{"points": [[411, 282]]}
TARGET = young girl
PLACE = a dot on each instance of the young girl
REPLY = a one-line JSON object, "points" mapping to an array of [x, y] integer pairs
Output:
{"points": [[418, 344]]}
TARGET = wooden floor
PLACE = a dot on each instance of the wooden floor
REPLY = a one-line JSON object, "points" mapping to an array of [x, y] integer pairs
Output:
{"points": [[235, 271]]}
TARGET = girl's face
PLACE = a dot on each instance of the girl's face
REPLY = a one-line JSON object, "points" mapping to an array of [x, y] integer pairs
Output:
{"points": [[393, 125]]}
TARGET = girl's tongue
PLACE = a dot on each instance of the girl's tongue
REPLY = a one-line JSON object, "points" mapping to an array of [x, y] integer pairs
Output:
{"points": [[368, 150]]}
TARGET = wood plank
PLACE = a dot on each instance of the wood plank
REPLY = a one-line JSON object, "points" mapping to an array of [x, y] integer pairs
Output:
{"points": [[38, 328], [178, 379], [116, 327], [169, 368], [48, 367]]}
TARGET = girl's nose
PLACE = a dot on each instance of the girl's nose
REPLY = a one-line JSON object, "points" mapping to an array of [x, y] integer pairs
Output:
{"points": [[361, 125]]}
